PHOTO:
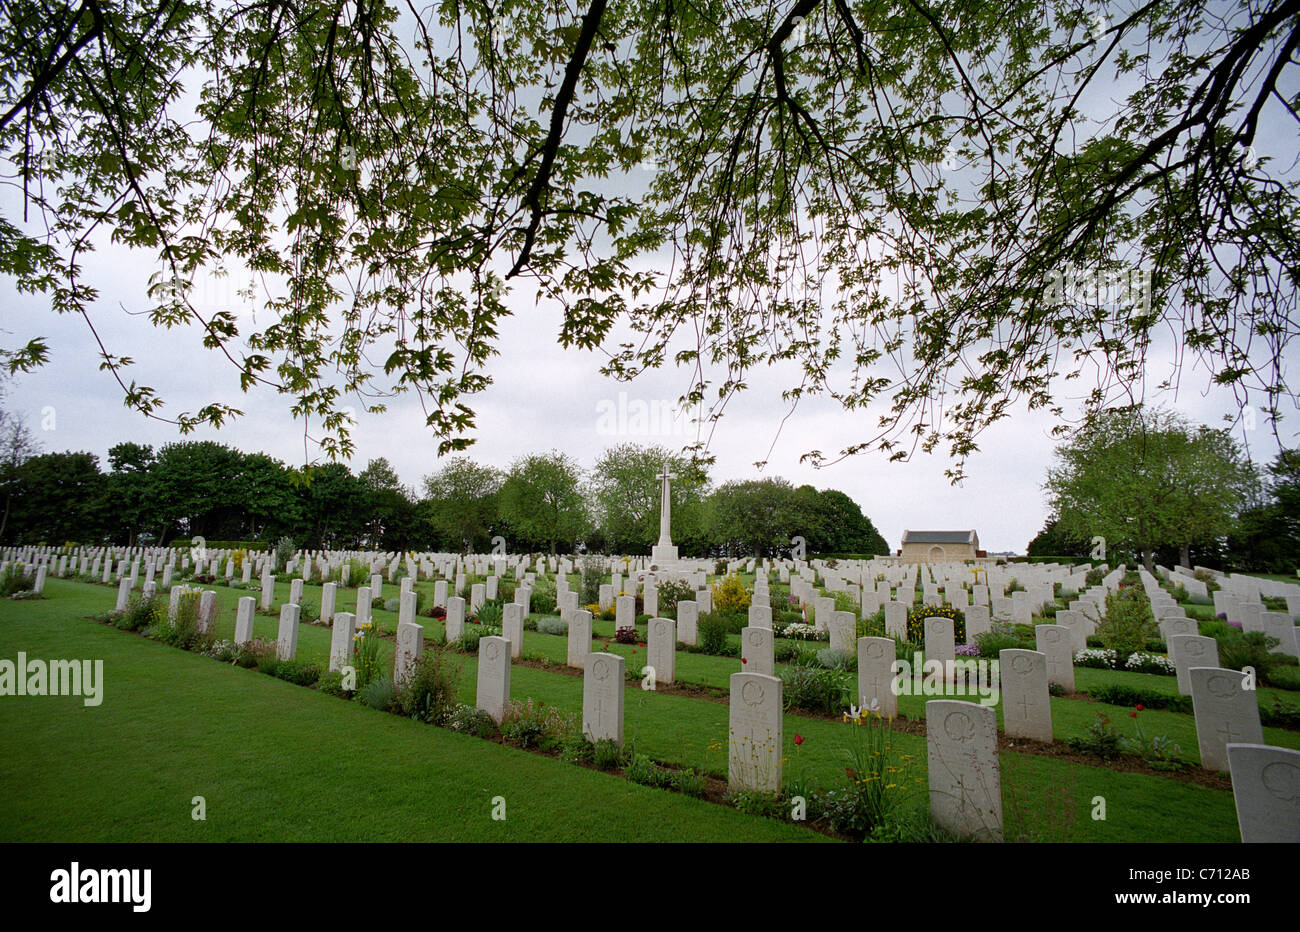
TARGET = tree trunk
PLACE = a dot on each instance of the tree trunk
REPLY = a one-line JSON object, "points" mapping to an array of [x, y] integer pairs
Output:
{"points": [[1149, 561], [1185, 556]]}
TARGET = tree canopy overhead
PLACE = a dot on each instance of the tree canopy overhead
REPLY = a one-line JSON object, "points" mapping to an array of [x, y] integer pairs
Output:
{"points": [[932, 209]]}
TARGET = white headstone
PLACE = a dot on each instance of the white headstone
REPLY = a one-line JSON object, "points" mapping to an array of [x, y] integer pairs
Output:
{"points": [[896, 620], [876, 658], [455, 618], [579, 638], [345, 629], [410, 647], [757, 651], [244, 615], [1266, 788], [1226, 713], [978, 621], [625, 612], [755, 733], [688, 621], [602, 697], [844, 630], [123, 594], [365, 596], [1191, 650], [965, 782], [493, 676], [1026, 711], [661, 647], [328, 594], [207, 610], [1054, 643], [512, 629], [940, 641], [286, 644]]}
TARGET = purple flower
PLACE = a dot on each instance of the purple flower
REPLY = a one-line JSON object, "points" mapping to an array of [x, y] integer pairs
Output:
{"points": [[968, 650], [1235, 624]]}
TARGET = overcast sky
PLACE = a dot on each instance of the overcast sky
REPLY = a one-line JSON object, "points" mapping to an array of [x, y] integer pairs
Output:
{"points": [[546, 398]]}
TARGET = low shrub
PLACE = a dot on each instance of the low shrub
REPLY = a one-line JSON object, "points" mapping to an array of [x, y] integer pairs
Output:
{"points": [[429, 691], [606, 754], [690, 783], [12, 581], [767, 805], [299, 672], [1280, 714], [544, 597], [801, 631], [493, 611], [308, 611], [1127, 624], [593, 574], [643, 770], [577, 749], [837, 659], [222, 651], [1132, 696], [1101, 739], [916, 621], [1240, 649], [379, 694], [331, 684], [712, 632], [470, 720], [1140, 662], [535, 724], [670, 593], [467, 643], [1097, 658], [140, 613], [873, 625], [730, 595], [1283, 676], [183, 631], [248, 654], [815, 689], [557, 626], [1003, 636]]}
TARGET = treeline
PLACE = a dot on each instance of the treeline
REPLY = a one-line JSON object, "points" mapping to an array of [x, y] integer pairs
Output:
{"points": [[541, 502], [1263, 534]]}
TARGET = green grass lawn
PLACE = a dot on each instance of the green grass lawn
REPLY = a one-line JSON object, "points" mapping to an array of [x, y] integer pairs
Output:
{"points": [[276, 762], [245, 713]]}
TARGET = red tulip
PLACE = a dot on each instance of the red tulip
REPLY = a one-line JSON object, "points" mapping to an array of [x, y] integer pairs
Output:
{"points": [[1132, 715], [798, 740], [1139, 707]]}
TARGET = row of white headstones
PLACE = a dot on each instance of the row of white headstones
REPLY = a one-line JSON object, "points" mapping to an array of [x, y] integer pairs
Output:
{"points": [[965, 793], [962, 736]]}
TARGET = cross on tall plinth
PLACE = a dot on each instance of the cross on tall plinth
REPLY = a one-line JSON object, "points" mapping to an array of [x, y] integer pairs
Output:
{"points": [[664, 551]]}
